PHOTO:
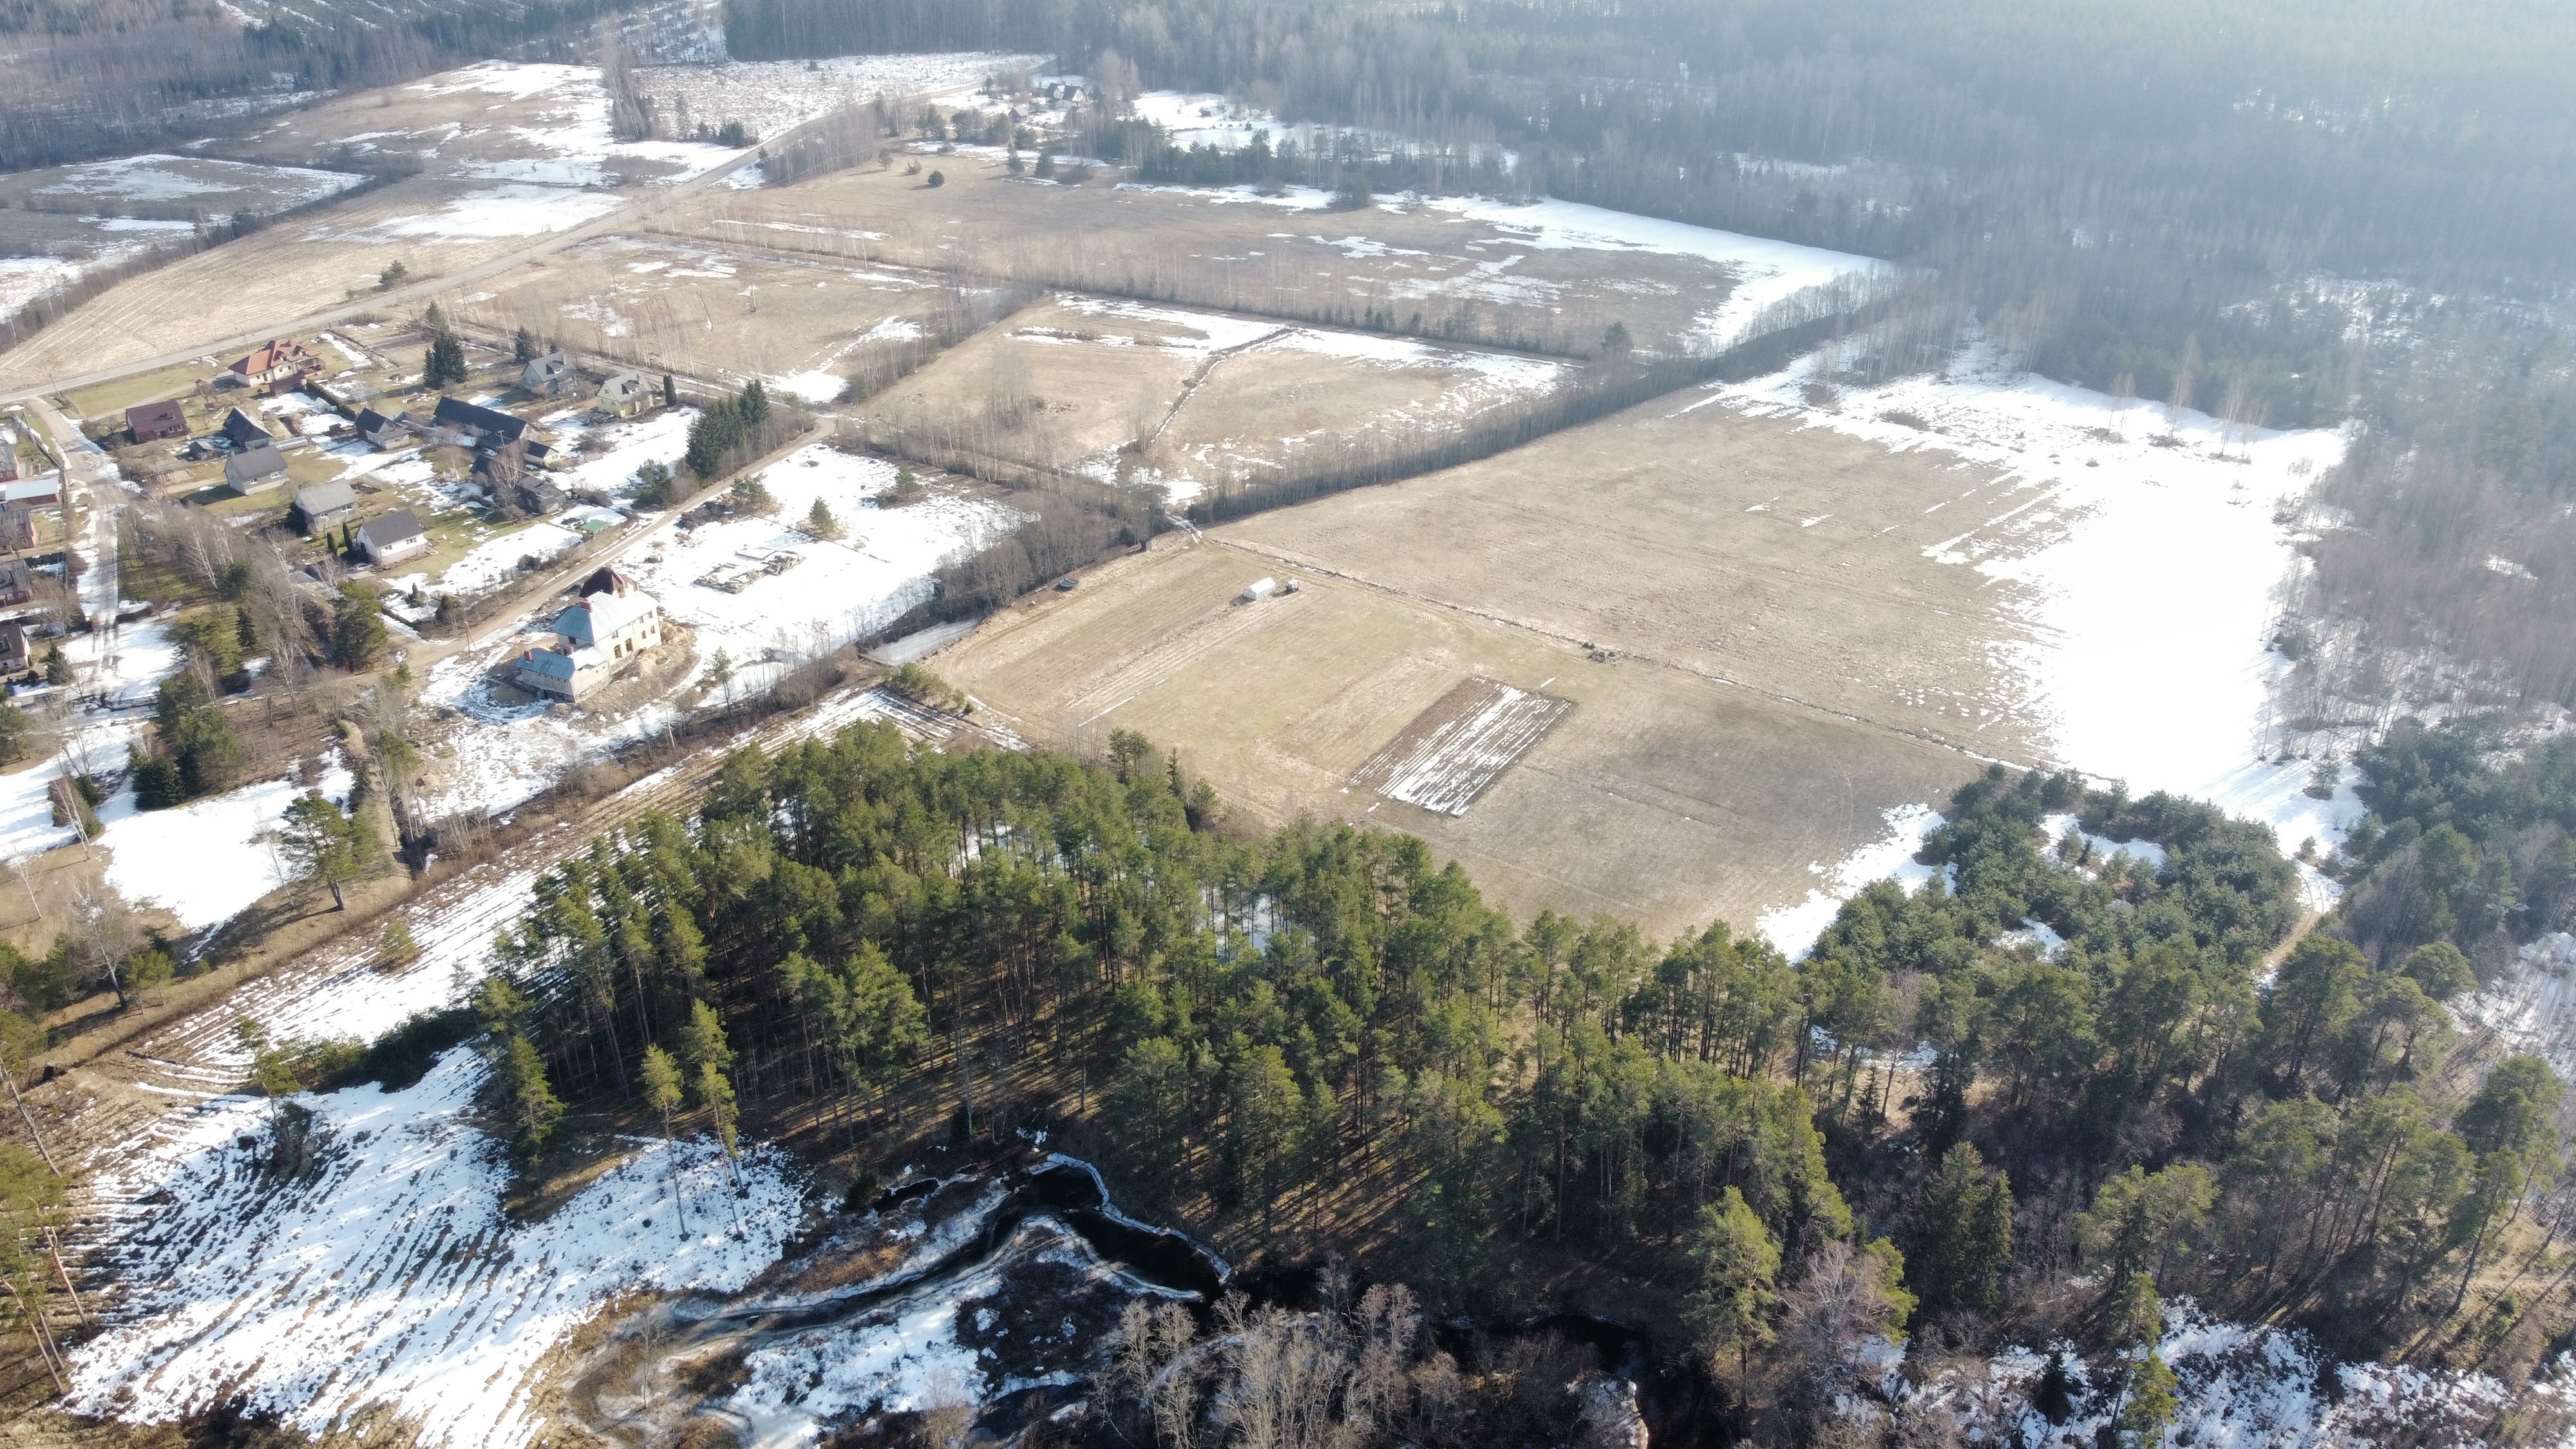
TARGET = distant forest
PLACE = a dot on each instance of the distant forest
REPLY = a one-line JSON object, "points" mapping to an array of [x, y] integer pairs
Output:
{"points": [[2292, 213], [91, 78]]}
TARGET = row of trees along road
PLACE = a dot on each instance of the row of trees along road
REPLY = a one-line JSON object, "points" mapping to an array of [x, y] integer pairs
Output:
{"points": [[1299, 1038]]}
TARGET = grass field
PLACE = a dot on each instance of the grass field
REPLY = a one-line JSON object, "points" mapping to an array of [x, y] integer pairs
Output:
{"points": [[1692, 799]]}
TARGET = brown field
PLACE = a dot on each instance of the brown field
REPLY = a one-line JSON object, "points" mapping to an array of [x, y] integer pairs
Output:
{"points": [[708, 308], [1239, 255], [1759, 657], [1188, 398]]}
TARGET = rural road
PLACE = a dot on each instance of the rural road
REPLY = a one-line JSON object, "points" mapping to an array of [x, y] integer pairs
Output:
{"points": [[421, 291]]}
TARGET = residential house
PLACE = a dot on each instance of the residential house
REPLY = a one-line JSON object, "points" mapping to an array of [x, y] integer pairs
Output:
{"points": [[534, 496], [594, 639], [383, 431], [17, 582], [623, 396], [549, 376], [157, 422], [484, 428], [246, 431], [396, 535], [256, 471], [14, 656], [281, 363], [325, 506]]}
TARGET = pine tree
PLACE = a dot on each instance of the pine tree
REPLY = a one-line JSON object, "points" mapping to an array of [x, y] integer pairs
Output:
{"points": [[534, 1107], [820, 523], [1964, 1245], [662, 1093], [1737, 1263]]}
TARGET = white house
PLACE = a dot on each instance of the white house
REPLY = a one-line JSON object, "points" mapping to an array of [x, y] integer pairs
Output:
{"points": [[594, 639]]}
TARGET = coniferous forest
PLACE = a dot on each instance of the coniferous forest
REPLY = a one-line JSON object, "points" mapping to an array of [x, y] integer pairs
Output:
{"points": [[2083, 1069]]}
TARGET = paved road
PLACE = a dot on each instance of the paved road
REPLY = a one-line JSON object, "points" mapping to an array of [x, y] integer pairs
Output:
{"points": [[623, 218]]}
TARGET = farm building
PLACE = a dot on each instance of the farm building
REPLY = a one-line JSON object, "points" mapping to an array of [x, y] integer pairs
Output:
{"points": [[549, 376], [623, 396], [256, 471], [14, 657], [485, 428], [593, 640], [43, 491], [383, 431], [324, 506], [156, 422], [281, 363], [396, 535], [245, 431]]}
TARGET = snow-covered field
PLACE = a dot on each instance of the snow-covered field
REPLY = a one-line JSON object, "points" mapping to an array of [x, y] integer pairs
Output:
{"points": [[772, 97], [389, 1274], [108, 240], [1486, 727], [2144, 559], [572, 161], [209, 859], [221, 185], [1765, 271]]}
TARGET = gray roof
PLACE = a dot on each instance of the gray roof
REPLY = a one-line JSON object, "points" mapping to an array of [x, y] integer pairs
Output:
{"points": [[324, 498], [259, 463], [390, 529], [623, 386]]}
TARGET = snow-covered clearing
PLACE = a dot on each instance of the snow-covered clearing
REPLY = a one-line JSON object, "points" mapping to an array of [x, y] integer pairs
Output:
{"points": [[389, 1274], [565, 179], [2142, 559], [840, 590], [162, 178], [611, 451], [209, 859], [112, 240], [1794, 929], [2531, 1007], [1765, 271], [771, 97], [2239, 1387], [489, 563]]}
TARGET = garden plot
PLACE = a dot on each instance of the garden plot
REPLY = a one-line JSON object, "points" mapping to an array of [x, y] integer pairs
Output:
{"points": [[773, 97], [1453, 751], [389, 1275], [167, 184]]}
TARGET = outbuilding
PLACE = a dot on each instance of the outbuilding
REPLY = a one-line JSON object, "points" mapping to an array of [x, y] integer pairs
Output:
{"points": [[324, 506]]}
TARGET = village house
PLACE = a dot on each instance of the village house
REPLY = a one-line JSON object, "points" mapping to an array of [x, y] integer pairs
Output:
{"points": [[594, 639], [157, 422], [245, 431], [324, 506], [256, 471], [382, 431], [484, 428], [17, 582], [14, 657], [549, 376], [623, 396], [396, 535], [281, 364]]}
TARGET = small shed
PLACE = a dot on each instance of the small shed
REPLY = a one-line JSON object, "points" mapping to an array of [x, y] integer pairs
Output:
{"points": [[257, 470], [157, 422], [17, 582], [324, 506], [396, 535]]}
